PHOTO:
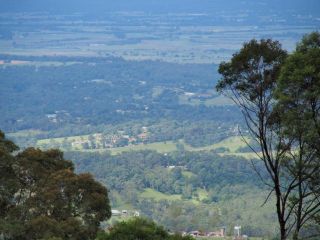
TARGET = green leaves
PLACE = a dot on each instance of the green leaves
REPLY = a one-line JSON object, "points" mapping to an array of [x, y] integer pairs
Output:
{"points": [[279, 96], [6, 145], [139, 229], [298, 96], [298, 91], [42, 197], [253, 69]]}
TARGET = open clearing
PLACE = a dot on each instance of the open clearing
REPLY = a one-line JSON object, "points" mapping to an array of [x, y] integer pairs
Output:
{"points": [[151, 193], [230, 145], [158, 196]]}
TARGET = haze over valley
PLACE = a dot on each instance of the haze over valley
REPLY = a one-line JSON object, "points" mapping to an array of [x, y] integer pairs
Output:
{"points": [[127, 90]]}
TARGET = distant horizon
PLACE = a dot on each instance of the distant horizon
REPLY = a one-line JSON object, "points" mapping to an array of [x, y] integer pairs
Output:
{"points": [[99, 6]]}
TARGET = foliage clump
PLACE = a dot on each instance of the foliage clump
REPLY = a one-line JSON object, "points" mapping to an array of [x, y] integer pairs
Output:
{"points": [[278, 95], [139, 229], [42, 198]]}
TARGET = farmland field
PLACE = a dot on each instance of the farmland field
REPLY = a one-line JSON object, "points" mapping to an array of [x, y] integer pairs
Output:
{"points": [[231, 146], [168, 37]]}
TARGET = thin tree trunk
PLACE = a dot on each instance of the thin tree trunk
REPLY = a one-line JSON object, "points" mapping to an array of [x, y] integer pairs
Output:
{"points": [[280, 211]]}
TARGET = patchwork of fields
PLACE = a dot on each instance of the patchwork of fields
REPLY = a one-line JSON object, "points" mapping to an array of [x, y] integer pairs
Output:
{"points": [[182, 38]]}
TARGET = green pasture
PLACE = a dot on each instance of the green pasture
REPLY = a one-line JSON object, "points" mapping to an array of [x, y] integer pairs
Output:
{"points": [[157, 196], [60, 140], [161, 147], [230, 144], [26, 133], [150, 193]]}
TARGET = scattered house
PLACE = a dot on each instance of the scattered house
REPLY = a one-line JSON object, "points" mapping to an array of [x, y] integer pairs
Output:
{"points": [[220, 233], [143, 136], [136, 214], [132, 139], [124, 212], [171, 167], [114, 139], [189, 94], [197, 234], [52, 117], [57, 116], [194, 233], [115, 212]]}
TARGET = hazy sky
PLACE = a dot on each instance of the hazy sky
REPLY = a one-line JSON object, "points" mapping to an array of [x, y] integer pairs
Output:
{"points": [[303, 6]]}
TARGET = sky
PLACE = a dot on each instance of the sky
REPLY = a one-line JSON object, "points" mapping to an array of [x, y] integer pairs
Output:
{"points": [[92, 6]]}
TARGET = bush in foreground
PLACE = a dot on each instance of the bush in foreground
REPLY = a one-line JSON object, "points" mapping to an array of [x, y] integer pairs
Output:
{"points": [[139, 229]]}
